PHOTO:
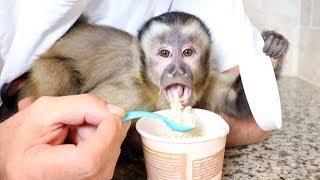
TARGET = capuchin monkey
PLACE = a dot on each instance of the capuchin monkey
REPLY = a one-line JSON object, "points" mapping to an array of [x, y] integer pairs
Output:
{"points": [[172, 54]]}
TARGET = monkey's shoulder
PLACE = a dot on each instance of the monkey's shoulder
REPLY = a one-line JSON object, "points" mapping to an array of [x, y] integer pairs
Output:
{"points": [[100, 30], [98, 33], [85, 41]]}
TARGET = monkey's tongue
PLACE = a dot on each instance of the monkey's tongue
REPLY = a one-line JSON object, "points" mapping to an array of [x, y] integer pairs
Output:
{"points": [[182, 91]]}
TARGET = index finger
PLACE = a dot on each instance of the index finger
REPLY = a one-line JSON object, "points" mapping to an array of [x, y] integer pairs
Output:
{"points": [[72, 110]]}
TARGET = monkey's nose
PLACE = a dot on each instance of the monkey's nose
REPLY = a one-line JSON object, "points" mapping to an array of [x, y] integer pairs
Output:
{"points": [[182, 72], [177, 71]]}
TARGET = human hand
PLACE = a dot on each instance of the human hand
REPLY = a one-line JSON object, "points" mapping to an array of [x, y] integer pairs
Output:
{"points": [[31, 141]]}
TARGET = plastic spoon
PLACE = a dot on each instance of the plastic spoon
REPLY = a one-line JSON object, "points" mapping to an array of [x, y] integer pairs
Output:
{"points": [[174, 126]]}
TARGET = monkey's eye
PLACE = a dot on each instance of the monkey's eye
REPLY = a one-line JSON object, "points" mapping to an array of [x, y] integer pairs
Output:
{"points": [[164, 53], [188, 52]]}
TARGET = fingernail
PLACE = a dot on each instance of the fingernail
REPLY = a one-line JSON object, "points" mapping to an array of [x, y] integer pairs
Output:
{"points": [[115, 109]]}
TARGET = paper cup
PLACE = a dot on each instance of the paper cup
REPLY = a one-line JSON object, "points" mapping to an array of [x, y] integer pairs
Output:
{"points": [[184, 158]]}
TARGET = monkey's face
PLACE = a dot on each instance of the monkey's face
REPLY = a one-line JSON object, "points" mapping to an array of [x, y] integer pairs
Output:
{"points": [[176, 59], [175, 66]]}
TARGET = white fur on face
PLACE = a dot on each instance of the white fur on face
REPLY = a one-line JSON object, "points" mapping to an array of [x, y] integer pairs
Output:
{"points": [[194, 29], [156, 28], [189, 29]]}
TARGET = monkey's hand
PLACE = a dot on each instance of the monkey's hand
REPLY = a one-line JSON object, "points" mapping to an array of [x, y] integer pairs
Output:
{"points": [[276, 45]]}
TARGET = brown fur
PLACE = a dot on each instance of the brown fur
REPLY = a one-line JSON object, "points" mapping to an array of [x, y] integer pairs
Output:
{"points": [[91, 59]]}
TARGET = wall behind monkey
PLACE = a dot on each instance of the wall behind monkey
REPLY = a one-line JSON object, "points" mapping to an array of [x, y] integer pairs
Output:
{"points": [[309, 59], [282, 16], [299, 21]]}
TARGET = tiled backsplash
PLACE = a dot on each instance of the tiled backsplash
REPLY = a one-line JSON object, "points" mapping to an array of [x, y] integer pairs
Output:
{"points": [[305, 12], [309, 56], [315, 15]]}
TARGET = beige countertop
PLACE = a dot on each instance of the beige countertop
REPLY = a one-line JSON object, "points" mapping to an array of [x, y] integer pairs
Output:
{"points": [[292, 152]]}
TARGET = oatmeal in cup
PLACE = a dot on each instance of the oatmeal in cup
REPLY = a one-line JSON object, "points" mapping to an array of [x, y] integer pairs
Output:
{"points": [[193, 155]]}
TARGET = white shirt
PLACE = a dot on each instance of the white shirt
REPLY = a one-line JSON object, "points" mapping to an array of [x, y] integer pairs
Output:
{"points": [[30, 27]]}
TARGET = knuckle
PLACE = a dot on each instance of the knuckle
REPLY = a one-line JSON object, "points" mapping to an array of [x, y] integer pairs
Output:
{"points": [[43, 100], [89, 97], [93, 99]]}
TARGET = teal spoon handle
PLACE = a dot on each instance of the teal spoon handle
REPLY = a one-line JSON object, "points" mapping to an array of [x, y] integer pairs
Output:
{"points": [[139, 114]]}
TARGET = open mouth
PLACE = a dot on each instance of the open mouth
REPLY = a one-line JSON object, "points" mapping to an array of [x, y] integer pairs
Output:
{"points": [[183, 92]]}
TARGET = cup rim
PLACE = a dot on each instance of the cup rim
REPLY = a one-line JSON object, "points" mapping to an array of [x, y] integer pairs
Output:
{"points": [[152, 137]]}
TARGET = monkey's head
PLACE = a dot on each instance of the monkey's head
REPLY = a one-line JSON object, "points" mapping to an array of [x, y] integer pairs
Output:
{"points": [[175, 55]]}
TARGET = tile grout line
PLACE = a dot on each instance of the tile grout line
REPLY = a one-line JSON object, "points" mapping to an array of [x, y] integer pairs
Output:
{"points": [[311, 13], [306, 80], [310, 27]]}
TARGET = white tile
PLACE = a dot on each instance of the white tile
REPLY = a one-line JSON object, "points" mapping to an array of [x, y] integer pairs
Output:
{"points": [[309, 64], [306, 12], [316, 13]]}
